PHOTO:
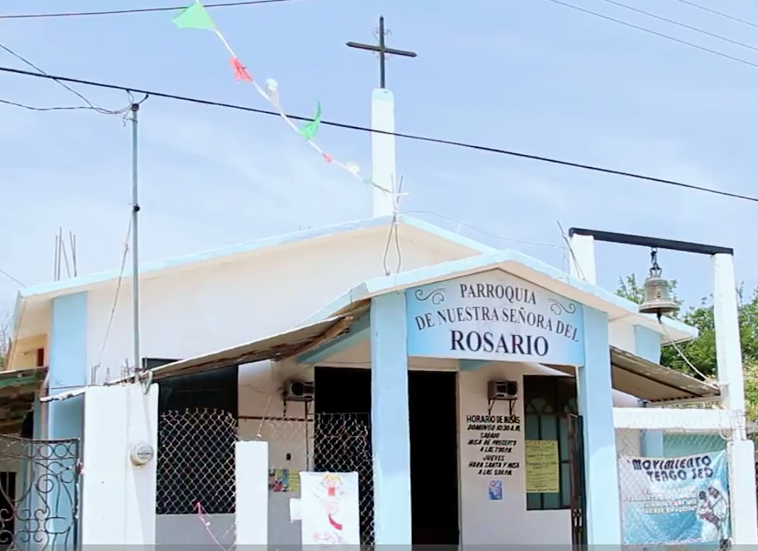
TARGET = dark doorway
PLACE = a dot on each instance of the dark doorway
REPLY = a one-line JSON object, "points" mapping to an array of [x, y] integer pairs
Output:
{"points": [[433, 415]]}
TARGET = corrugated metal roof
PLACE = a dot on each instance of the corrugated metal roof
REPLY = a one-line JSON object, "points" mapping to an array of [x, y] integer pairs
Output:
{"points": [[18, 389], [277, 347], [656, 383], [650, 381]]}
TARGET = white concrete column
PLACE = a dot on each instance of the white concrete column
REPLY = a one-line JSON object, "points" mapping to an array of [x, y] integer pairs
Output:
{"points": [[383, 152], [740, 452], [727, 326], [582, 257], [390, 431], [251, 471], [647, 345], [741, 457], [595, 394], [118, 497]]}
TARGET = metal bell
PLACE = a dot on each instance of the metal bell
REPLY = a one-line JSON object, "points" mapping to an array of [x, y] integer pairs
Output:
{"points": [[658, 299]]}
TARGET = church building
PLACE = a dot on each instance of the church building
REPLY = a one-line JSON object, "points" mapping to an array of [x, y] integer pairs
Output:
{"points": [[472, 388]]}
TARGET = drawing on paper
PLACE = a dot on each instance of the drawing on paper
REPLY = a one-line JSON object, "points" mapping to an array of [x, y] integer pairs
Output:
{"points": [[329, 508], [279, 480]]}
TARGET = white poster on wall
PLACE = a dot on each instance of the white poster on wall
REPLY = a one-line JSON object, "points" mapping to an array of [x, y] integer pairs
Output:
{"points": [[329, 508]]}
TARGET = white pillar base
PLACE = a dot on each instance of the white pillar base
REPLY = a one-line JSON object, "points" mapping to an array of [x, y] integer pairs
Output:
{"points": [[741, 461]]}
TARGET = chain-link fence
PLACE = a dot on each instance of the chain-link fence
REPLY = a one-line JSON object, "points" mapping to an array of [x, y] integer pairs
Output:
{"points": [[325, 442], [196, 474], [701, 481], [196, 467]]}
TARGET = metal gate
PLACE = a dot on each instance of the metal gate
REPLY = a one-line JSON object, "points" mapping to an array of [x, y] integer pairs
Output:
{"points": [[39, 494], [576, 468]]}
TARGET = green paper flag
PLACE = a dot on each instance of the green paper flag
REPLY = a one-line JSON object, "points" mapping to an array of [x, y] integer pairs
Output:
{"points": [[194, 17], [309, 129]]}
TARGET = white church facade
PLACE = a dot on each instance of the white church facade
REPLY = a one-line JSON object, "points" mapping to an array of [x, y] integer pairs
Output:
{"points": [[453, 367], [477, 393]]}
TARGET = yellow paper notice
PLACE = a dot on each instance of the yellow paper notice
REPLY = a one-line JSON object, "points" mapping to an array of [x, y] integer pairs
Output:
{"points": [[542, 467]]}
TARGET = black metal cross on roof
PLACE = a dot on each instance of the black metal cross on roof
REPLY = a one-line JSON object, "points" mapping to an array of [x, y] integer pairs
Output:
{"points": [[383, 51]]}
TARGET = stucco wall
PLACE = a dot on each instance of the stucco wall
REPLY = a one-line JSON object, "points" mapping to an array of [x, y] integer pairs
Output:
{"points": [[208, 309], [481, 519]]}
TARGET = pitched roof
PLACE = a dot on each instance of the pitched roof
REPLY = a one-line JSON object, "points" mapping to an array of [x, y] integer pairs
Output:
{"points": [[188, 261], [522, 266], [47, 291]]}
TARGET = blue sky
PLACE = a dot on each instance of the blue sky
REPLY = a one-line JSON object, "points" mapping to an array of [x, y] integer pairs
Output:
{"points": [[526, 75]]}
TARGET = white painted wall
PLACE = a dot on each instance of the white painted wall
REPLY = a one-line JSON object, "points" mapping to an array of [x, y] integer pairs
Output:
{"points": [[195, 312], [482, 520], [118, 497], [506, 521]]}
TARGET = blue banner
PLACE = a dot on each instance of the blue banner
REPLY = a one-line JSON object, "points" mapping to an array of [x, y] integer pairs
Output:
{"points": [[675, 500]]}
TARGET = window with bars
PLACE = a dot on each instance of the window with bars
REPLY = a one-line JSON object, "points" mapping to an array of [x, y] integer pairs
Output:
{"points": [[548, 400]]}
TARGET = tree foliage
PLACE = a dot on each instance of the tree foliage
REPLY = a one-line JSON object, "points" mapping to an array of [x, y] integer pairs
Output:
{"points": [[701, 352], [5, 337]]}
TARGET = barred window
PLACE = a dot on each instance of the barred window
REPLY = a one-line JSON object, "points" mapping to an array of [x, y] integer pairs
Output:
{"points": [[548, 402]]}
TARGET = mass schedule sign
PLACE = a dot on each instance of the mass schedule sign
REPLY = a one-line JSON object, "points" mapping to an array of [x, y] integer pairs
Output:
{"points": [[494, 316]]}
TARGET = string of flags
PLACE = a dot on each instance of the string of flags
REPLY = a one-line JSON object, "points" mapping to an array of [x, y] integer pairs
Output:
{"points": [[196, 17]]}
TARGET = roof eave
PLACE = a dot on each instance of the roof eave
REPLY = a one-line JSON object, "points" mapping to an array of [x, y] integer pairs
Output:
{"points": [[81, 283], [674, 331]]}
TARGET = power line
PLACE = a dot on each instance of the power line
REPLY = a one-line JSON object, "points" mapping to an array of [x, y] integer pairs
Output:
{"points": [[13, 279], [415, 137], [655, 33], [680, 24], [89, 104], [33, 108], [139, 10], [719, 13]]}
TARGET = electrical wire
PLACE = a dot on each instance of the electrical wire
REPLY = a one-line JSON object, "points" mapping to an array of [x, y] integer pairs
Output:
{"points": [[114, 306], [394, 233], [89, 104], [681, 354], [33, 108], [140, 10], [719, 13], [474, 228], [655, 33], [13, 279], [415, 137], [680, 24], [570, 250]]}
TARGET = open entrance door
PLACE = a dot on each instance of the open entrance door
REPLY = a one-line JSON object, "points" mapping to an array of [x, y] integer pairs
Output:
{"points": [[433, 417]]}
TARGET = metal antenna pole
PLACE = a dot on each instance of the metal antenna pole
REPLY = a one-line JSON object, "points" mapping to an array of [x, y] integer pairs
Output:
{"points": [[135, 243]]}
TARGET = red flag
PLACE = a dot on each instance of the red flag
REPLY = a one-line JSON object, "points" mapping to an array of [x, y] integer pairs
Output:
{"points": [[240, 71]]}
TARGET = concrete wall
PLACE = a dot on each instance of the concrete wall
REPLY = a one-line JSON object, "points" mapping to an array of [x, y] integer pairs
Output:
{"points": [[481, 519], [118, 497], [207, 309], [195, 312]]}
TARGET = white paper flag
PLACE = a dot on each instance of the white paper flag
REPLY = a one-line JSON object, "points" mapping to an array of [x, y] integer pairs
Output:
{"points": [[329, 509]]}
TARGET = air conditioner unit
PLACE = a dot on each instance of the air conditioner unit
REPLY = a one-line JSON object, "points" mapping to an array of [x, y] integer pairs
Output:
{"points": [[296, 390], [502, 390]]}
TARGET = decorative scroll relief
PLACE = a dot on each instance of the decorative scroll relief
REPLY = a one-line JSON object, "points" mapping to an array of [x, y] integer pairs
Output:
{"points": [[494, 316]]}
